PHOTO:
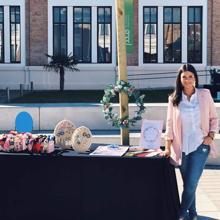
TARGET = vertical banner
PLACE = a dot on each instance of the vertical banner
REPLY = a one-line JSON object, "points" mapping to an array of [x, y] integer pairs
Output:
{"points": [[129, 25]]}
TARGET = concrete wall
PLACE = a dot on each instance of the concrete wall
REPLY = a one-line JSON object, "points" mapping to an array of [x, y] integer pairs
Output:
{"points": [[89, 78], [46, 116]]}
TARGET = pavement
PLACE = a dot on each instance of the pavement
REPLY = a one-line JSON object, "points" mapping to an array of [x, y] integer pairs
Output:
{"points": [[208, 193]]}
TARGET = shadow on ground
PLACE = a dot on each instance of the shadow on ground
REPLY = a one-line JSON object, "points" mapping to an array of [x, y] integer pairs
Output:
{"points": [[212, 167], [200, 217]]}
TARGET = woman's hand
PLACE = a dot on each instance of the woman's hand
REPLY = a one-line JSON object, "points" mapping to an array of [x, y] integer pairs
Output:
{"points": [[166, 153], [207, 140]]}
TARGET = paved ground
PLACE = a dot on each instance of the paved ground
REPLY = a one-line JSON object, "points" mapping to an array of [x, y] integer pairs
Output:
{"points": [[208, 193]]}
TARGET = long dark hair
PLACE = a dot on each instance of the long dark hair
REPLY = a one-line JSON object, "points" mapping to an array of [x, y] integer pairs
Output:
{"points": [[177, 94]]}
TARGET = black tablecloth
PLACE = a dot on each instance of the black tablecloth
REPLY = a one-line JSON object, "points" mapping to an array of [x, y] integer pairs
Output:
{"points": [[73, 186]]}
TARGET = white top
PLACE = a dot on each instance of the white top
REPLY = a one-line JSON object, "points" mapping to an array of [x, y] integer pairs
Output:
{"points": [[192, 135]]}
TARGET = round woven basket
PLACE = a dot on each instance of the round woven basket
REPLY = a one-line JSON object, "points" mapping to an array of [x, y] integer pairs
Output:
{"points": [[81, 139], [63, 133]]}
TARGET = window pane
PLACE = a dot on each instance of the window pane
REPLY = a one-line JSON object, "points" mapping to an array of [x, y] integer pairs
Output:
{"points": [[150, 35], [176, 15], [15, 29], [168, 38], [153, 15], [191, 15], [191, 37], [101, 45], [150, 44], [1, 15], [108, 17], [1, 34], [63, 15], [60, 31], [56, 39], [176, 43], [56, 15], [146, 15], [108, 43], [86, 42], [77, 14], [194, 40], [153, 44], [13, 35], [77, 41], [17, 15], [172, 36], [82, 34], [63, 38], [86, 15], [1, 43], [168, 15], [101, 15], [104, 36], [13, 14], [198, 15]]}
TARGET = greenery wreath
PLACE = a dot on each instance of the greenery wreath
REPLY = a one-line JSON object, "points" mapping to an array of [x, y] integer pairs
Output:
{"points": [[107, 109]]}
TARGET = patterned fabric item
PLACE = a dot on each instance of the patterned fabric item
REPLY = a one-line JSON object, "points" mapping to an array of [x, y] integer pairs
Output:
{"points": [[81, 139], [16, 142]]}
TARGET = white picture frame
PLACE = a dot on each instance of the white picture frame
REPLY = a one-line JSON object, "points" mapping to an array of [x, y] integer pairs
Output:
{"points": [[151, 131]]}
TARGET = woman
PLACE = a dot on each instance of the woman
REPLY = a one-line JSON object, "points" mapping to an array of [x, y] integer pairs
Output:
{"points": [[190, 129]]}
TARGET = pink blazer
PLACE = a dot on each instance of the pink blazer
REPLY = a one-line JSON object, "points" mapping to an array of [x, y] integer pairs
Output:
{"points": [[209, 122]]}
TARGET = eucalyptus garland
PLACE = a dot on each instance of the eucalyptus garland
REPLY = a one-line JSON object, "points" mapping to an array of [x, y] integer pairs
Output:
{"points": [[107, 108]]}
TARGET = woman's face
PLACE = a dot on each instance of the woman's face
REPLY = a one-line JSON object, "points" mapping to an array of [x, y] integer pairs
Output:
{"points": [[187, 79]]}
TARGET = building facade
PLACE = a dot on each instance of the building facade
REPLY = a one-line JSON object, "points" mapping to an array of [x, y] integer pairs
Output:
{"points": [[165, 34]]}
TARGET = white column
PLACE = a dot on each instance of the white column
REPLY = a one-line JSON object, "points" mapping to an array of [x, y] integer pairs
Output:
{"points": [[184, 34], [50, 29], [70, 29], [94, 34], [140, 35], [114, 50], [160, 34], [7, 33], [23, 34], [204, 34]]}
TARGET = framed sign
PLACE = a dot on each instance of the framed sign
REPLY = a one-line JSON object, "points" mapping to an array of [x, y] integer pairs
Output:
{"points": [[151, 134]]}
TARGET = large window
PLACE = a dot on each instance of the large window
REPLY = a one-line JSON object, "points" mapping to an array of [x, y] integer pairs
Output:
{"points": [[172, 35], [15, 34], [194, 38], [150, 34], [82, 34], [1, 34], [59, 30], [104, 35], [90, 33]]}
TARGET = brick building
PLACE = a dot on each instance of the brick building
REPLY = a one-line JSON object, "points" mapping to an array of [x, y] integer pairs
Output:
{"points": [[166, 33]]}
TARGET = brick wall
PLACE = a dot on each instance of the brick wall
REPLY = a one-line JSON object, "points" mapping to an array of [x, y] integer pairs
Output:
{"points": [[37, 27], [214, 32]]}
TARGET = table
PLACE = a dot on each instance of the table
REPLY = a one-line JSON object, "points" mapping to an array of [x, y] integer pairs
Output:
{"points": [[73, 186]]}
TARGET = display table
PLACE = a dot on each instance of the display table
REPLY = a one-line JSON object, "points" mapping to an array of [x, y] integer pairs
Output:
{"points": [[73, 186]]}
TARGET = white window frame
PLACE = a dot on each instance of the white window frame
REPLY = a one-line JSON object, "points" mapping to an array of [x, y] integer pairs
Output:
{"points": [[6, 4], [74, 3], [183, 4]]}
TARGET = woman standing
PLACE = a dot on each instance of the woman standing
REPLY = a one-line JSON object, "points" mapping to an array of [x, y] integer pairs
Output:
{"points": [[190, 129]]}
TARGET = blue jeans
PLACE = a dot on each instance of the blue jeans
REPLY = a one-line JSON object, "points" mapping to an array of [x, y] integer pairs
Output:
{"points": [[191, 170]]}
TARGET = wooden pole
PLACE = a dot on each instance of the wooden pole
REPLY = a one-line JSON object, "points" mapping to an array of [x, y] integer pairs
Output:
{"points": [[122, 65]]}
